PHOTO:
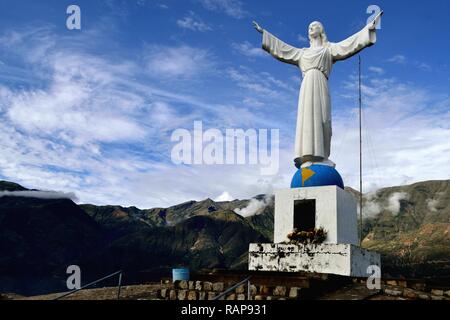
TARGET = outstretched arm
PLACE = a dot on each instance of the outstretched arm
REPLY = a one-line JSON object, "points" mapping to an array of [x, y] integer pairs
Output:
{"points": [[257, 27], [277, 48], [357, 42]]}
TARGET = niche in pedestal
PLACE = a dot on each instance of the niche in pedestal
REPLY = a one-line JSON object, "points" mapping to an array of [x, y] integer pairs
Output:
{"points": [[305, 214]]}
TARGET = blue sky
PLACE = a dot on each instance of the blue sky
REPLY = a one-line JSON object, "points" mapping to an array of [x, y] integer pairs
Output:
{"points": [[91, 111]]}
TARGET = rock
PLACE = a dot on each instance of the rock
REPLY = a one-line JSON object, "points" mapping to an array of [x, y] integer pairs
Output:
{"points": [[391, 282], [217, 286], [241, 296], [264, 290], [211, 295], [447, 293], [279, 291], [240, 289], [419, 286], [402, 283], [198, 285], [269, 298], [183, 284], [410, 294], [393, 292], [192, 295], [294, 293], [253, 290], [202, 295], [424, 296], [191, 285], [207, 286], [163, 293], [231, 297], [437, 292], [258, 297], [173, 295], [437, 297], [182, 294]]}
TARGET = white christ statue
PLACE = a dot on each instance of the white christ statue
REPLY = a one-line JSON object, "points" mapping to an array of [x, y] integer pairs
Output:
{"points": [[313, 132]]}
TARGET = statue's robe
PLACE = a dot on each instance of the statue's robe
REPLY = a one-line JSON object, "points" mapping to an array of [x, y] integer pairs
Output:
{"points": [[313, 133]]}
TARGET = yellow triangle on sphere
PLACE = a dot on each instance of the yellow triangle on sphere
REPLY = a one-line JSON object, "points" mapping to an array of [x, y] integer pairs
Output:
{"points": [[306, 174]]}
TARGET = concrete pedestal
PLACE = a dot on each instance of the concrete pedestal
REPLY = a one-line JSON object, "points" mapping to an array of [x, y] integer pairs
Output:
{"points": [[334, 210], [306, 208], [340, 259]]}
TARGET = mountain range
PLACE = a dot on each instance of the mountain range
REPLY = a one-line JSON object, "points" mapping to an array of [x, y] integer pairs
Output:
{"points": [[40, 237]]}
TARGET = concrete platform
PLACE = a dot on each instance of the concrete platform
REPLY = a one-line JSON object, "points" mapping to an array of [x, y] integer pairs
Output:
{"points": [[339, 259]]}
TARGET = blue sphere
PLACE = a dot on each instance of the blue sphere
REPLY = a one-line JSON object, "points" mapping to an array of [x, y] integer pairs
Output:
{"points": [[316, 175]]}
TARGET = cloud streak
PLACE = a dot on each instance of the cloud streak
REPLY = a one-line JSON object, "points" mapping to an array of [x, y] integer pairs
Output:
{"points": [[39, 194], [182, 61], [193, 23], [233, 8]]}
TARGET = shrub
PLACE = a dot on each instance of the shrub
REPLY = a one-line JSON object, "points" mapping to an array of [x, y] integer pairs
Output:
{"points": [[316, 235]]}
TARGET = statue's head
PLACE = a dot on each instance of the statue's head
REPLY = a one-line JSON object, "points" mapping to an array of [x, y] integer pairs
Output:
{"points": [[316, 30]]}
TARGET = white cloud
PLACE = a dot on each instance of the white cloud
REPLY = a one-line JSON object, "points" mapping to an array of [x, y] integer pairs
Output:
{"points": [[394, 201], [398, 58], [377, 70], [403, 128], [423, 66], [225, 196], [431, 204], [252, 102], [180, 61], [247, 49], [233, 8], [401, 59], [93, 129], [260, 83], [77, 106], [373, 207], [39, 194], [255, 206], [194, 23]]}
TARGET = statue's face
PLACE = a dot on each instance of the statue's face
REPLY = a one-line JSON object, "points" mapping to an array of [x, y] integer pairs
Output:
{"points": [[315, 29]]}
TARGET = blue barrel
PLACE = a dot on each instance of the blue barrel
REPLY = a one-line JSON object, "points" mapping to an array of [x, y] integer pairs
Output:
{"points": [[180, 274]]}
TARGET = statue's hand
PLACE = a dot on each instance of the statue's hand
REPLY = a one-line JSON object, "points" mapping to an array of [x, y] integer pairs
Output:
{"points": [[374, 23], [257, 27]]}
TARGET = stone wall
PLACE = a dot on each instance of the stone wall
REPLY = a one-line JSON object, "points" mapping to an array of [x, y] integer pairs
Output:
{"points": [[411, 290], [204, 290]]}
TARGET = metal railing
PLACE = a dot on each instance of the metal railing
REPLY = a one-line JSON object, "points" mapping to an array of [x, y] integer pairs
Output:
{"points": [[119, 285], [246, 280]]}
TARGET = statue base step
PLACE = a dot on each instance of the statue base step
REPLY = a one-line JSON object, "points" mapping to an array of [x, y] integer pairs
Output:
{"points": [[340, 259]]}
